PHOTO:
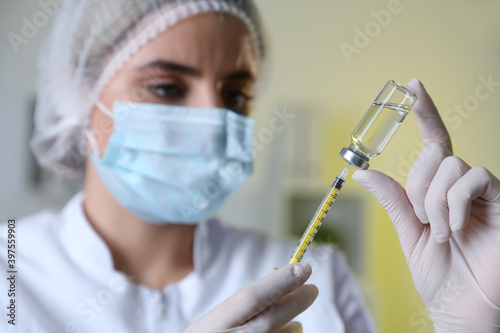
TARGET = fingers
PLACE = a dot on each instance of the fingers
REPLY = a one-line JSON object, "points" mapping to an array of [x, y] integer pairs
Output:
{"points": [[451, 192], [421, 175], [437, 146], [291, 327], [270, 288], [436, 202], [254, 298], [393, 198], [478, 182], [429, 121], [281, 312]]}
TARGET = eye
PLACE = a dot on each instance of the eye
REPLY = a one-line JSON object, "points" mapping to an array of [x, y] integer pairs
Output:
{"points": [[167, 90], [237, 101]]}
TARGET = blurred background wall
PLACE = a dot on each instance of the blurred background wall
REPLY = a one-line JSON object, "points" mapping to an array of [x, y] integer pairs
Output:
{"points": [[330, 59]]}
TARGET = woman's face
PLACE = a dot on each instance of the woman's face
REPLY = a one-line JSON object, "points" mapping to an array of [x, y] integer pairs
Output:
{"points": [[206, 60]]}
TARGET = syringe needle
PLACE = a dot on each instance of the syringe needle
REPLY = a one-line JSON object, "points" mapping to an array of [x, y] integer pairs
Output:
{"points": [[344, 172], [318, 217]]}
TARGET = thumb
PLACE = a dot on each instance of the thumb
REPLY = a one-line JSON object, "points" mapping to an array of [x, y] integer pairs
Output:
{"points": [[393, 198]]}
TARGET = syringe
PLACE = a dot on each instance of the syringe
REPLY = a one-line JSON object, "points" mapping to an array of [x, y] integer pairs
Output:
{"points": [[368, 139], [318, 217]]}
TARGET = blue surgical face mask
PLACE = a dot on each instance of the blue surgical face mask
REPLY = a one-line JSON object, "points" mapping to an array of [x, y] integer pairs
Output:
{"points": [[173, 164]]}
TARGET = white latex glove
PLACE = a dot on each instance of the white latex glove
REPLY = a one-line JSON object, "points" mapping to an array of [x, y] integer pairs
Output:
{"points": [[265, 306], [448, 224]]}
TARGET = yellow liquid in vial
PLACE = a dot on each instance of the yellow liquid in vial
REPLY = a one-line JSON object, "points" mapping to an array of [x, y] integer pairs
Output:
{"points": [[377, 126]]}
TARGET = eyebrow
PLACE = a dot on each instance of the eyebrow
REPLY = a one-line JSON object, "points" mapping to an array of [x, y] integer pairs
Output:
{"points": [[171, 66], [183, 69]]}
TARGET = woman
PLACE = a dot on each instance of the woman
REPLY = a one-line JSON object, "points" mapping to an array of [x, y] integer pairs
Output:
{"points": [[149, 103]]}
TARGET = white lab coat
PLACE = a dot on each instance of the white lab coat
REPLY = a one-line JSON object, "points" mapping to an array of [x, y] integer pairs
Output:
{"points": [[66, 281]]}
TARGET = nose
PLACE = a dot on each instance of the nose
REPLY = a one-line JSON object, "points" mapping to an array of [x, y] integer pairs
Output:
{"points": [[207, 95]]}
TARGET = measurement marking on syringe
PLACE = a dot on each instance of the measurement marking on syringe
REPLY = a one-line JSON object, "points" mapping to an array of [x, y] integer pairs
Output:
{"points": [[318, 217]]}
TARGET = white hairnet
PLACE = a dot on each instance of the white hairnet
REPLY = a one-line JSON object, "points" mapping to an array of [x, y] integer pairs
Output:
{"points": [[89, 42]]}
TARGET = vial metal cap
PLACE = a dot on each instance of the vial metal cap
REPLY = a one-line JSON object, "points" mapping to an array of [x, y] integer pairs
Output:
{"points": [[355, 159]]}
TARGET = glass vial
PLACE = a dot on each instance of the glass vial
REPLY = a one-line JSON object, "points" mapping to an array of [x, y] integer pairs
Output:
{"points": [[379, 124]]}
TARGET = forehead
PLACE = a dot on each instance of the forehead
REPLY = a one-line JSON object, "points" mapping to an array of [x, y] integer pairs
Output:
{"points": [[212, 42]]}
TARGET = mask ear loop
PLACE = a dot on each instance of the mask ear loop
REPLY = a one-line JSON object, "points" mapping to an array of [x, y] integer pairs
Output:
{"points": [[104, 108], [92, 142], [89, 135]]}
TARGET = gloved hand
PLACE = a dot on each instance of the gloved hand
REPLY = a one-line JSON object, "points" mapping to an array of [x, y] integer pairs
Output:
{"points": [[266, 306], [448, 224]]}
